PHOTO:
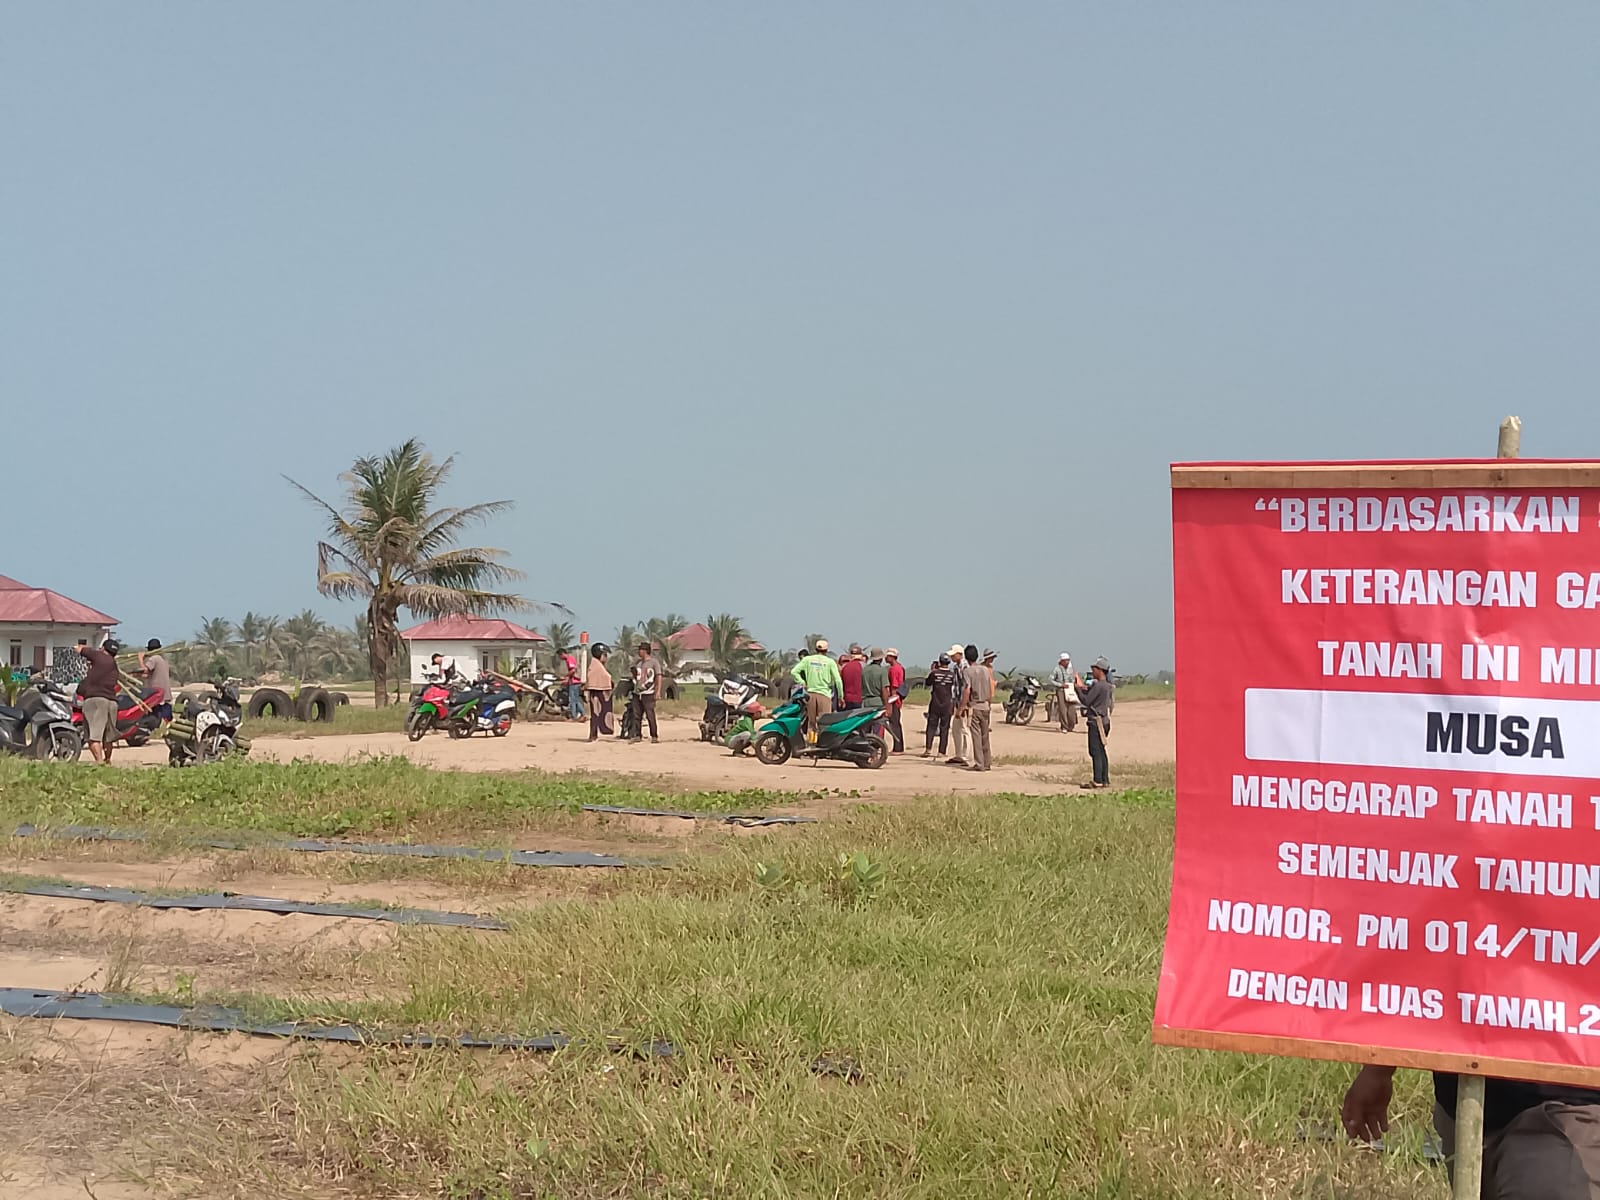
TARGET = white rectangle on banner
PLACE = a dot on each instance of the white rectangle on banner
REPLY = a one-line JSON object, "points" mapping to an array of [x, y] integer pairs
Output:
{"points": [[1503, 735]]}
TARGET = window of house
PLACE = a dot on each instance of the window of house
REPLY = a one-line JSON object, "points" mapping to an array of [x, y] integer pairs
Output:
{"points": [[16, 652]]}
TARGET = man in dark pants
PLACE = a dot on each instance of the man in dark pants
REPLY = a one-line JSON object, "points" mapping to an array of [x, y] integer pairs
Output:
{"points": [[1096, 699], [897, 699], [1541, 1141], [646, 681]]}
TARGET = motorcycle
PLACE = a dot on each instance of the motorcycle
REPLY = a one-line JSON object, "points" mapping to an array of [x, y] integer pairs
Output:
{"points": [[40, 724], [430, 708], [488, 706], [1024, 695], [137, 717], [854, 736], [738, 696], [208, 728], [546, 694]]}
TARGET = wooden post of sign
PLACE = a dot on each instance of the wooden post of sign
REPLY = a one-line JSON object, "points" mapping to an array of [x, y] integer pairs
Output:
{"points": [[1469, 1088]]}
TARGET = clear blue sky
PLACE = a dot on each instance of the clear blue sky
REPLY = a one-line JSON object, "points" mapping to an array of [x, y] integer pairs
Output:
{"points": [[905, 307]]}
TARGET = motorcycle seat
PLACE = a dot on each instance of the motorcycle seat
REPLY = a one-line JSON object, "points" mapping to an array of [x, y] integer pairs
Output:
{"points": [[828, 719], [11, 714]]}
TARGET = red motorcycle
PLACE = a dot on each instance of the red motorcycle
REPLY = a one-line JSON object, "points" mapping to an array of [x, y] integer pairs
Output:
{"points": [[430, 706], [137, 717]]}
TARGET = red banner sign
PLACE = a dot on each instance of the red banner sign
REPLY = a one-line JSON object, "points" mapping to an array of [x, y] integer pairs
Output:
{"points": [[1388, 818]]}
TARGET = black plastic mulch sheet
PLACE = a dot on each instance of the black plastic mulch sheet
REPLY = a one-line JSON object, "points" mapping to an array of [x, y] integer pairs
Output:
{"points": [[744, 819], [269, 904], [92, 1006], [520, 858]]}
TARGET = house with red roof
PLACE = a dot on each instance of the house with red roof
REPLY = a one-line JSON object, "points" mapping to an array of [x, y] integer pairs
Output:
{"points": [[693, 643], [476, 643], [39, 628]]}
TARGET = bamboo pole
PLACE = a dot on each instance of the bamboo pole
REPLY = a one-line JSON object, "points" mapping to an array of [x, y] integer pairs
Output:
{"points": [[1467, 1180]]}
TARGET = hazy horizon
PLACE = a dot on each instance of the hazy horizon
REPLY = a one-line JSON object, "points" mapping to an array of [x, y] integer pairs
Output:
{"points": [[880, 321]]}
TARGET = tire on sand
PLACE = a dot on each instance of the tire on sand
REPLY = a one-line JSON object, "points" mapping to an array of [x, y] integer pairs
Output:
{"points": [[340, 699], [316, 704], [58, 745], [269, 702], [772, 748], [877, 753], [417, 726]]}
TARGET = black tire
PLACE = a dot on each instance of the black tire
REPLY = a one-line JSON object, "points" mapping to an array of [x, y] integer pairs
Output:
{"points": [[772, 748], [340, 699], [877, 753], [58, 745], [458, 729], [269, 702], [1025, 713], [417, 726], [316, 705], [213, 746]]}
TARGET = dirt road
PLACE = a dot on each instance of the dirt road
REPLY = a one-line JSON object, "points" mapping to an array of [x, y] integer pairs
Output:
{"points": [[1032, 759]]}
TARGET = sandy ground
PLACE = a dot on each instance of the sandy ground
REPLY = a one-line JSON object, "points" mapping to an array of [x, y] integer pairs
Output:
{"points": [[1032, 759]]}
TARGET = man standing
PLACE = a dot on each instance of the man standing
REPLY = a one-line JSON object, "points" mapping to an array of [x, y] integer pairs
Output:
{"points": [[875, 682], [153, 666], [897, 699], [97, 694], [445, 668], [958, 715], [851, 667], [980, 695], [941, 683], [819, 675], [574, 687], [646, 679], [1062, 680], [1097, 699]]}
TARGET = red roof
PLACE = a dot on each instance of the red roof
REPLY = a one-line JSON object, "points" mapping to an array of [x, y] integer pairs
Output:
{"points": [[22, 604], [696, 638], [466, 628]]}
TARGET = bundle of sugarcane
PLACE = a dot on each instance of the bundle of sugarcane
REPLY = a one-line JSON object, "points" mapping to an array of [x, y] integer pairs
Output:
{"points": [[182, 731]]}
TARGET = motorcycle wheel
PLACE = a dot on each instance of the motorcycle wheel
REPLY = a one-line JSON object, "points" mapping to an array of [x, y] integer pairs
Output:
{"points": [[502, 727], [139, 737], [417, 725], [58, 745], [458, 729], [772, 748], [1025, 713], [877, 753], [213, 746]]}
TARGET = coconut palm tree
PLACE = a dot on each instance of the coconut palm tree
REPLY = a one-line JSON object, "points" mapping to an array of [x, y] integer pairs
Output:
{"points": [[298, 637], [258, 638], [215, 636], [394, 547], [560, 637], [730, 644]]}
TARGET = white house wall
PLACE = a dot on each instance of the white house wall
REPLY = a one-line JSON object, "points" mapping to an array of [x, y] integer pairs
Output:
{"points": [[468, 654]]}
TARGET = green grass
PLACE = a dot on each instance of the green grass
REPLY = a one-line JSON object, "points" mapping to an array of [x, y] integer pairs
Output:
{"points": [[347, 719], [387, 797], [995, 992]]}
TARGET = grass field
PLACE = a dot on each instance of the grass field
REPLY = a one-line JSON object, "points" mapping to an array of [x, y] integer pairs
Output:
{"points": [[936, 998]]}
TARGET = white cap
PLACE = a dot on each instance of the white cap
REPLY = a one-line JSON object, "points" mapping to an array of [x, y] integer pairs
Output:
{"points": [[1064, 654], [955, 650]]}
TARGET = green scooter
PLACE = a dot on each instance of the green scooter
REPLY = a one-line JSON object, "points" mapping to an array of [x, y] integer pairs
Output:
{"points": [[855, 736]]}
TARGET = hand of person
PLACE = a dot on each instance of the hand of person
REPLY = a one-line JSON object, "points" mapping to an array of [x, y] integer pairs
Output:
{"points": [[1365, 1113]]}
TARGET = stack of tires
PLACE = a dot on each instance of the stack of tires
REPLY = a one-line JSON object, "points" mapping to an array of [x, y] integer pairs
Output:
{"points": [[314, 704]]}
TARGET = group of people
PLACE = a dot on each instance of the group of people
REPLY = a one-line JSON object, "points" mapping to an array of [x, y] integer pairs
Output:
{"points": [[101, 684], [644, 685], [961, 686]]}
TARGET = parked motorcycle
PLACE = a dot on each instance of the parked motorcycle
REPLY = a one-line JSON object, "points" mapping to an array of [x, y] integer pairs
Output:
{"points": [[137, 718], [40, 724], [546, 693], [855, 736], [488, 706], [430, 708], [738, 696], [1024, 695], [208, 728]]}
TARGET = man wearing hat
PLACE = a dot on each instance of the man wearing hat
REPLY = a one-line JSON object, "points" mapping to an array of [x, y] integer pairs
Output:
{"points": [[819, 675], [1062, 680], [1097, 700], [979, 697], [153, 666], [958, 718], [897, 698]]}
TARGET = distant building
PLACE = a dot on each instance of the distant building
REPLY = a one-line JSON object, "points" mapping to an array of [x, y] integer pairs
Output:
{"points": [[476, 643], [39, 629], [693, 643]]}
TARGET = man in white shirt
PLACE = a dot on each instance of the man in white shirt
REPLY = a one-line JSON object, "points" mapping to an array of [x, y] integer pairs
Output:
{"points": [[1062, 680]]}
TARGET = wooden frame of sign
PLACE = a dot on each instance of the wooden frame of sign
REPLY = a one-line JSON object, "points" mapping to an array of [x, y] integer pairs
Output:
{"points": [[1488, 474]]}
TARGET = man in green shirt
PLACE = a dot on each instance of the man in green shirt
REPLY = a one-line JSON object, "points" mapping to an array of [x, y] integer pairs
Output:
{"points": [[819, 675], [875, 682]]}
